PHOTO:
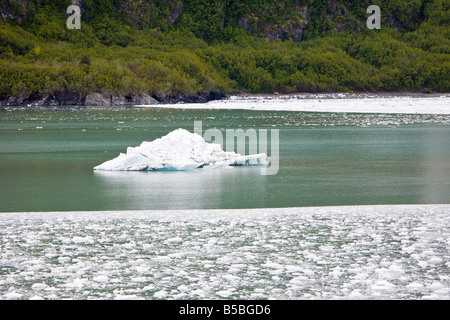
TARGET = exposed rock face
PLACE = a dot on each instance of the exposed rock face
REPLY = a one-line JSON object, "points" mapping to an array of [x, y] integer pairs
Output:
{"points": [[14, 10], [292, 28], [200, 97], [99, 99], [176, 12], [72, 99], [108, 100], [339, 8], [244, 23], [303, 11], [143, 99], [297, 34], [277, 34], [119, 100], [277, 20], [282, 33], [14, 101], [64, 99], [53, 99]]}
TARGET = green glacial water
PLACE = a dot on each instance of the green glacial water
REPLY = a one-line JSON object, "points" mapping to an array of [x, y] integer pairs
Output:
{"points": [[326, 159], [314, 230]]}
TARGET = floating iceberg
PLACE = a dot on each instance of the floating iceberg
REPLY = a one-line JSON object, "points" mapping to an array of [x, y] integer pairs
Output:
{"points": [[179, 150]]}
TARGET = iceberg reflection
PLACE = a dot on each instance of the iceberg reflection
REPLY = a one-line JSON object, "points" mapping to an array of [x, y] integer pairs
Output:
{"points": [[200, 189]]}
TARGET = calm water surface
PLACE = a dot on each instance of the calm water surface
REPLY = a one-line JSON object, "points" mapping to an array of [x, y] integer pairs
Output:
{"points": [[46, 161]]}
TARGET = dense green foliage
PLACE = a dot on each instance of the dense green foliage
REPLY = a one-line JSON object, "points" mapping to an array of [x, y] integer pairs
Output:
{"points": [[165, 53]]}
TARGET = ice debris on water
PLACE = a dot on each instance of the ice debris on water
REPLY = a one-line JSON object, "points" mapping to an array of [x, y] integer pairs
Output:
{"points": [[179, 150], [355, 252]]}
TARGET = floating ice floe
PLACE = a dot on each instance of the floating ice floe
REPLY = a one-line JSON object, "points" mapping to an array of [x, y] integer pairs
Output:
{"points": [[349, 103], [179, 150], [228, 254]]}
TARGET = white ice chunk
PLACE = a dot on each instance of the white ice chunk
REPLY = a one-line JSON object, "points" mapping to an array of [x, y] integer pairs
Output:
{"points": [[12, 295], [126, 297], [180, 150], [224, 293], [299, 281], [174, 240], [415, 286], [160, 294], [39, 286], [82, 240], [435, 261], [101, 279]]}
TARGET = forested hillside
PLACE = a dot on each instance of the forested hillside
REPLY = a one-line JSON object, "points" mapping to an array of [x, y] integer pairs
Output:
{"points": [[198, 50]]}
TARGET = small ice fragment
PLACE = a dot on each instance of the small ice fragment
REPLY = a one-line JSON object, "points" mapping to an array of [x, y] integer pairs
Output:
{"points": [[224, 293], [435, 261], [326, 248], [160, 294], [39, 286], [415, 286], [355, 294], [174, 240], [148, 287], [101, 279], [299, 280], [13, 295], [82, 239], [125, 297]]}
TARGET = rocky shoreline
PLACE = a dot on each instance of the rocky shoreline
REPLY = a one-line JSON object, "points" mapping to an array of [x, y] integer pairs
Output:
{"points": [[60, 99], [107, 100]]}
